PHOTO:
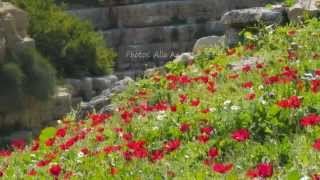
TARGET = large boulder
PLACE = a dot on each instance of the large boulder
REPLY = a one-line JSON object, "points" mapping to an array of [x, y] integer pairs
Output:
{"points": [[13, 29], [236, 20], [62, 103], [207, 42], [121, 85], [302, 7], [102, 83], [87, 91], [244, 17]]}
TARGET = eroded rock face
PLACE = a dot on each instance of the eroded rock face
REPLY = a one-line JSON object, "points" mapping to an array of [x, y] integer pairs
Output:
{"points": [[148, 33], [302, 7], [207, 42], [13, 30], [236, 20]]}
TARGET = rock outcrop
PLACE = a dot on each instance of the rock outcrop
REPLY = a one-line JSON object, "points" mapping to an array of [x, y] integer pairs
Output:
{"points": [[148, 33], [13, 30], [304, 7], [236, 20]]}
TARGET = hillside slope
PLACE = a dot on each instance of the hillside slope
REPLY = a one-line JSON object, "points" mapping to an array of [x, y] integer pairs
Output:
{"points": [[247, 112]]}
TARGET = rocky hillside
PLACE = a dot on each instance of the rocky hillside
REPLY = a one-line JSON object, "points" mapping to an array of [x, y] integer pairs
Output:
{"points": [[148, 33]]}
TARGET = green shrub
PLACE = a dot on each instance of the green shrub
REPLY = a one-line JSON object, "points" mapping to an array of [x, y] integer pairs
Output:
{"points": [[26, 74], [289, 3], [72, 46]]}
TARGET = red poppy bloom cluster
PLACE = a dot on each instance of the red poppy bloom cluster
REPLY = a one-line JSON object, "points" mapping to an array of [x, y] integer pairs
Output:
{"points": [[293, 102], [263, 170]]}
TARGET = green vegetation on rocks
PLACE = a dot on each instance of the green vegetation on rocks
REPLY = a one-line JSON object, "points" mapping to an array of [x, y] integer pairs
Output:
{"points": [[25, 75]]}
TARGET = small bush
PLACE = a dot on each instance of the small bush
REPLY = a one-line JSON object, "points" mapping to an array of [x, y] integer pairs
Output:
{"points": [[72, 46], [26, 74]]}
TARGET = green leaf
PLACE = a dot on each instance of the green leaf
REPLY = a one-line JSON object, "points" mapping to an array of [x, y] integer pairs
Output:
{"points": [[47, 133], [294, 175], [273, 111]]}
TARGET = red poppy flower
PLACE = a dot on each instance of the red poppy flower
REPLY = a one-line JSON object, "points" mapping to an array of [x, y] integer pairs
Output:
{"points": [[265, 170], [183, 98], [292, 102], [110, 149], [272, 80], [247, 85], [43, 163], [250, 96], [18, 144], [310, 120], [203, 138], [173, 108], [100, 138], [136, 144], [5, 153], [291, 33], [246, 68], [316, 145], [35, 145], [172, 145], [140, 153], [32, 172], [195, 102], [99, 118], [241, 135], [207, 130], [315, 176], [259, 65], [61, 132], [113, 170], [49, 142], [252, 173], [126, 116], [184, 127], [315, 85], [127, 136], [1, 173], [55, 170], [156, 155], [127, 155], [85, 151], [213, 152], [222, 168]]}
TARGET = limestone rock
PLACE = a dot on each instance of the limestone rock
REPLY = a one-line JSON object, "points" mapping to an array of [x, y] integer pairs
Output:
{"points": [[75, 85], [244, 17], [207, 42], [13, 29], [62, 103], [184, 58], [87, 88], [302, 7], [121, 85], [235, 20], [100, 83]]}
